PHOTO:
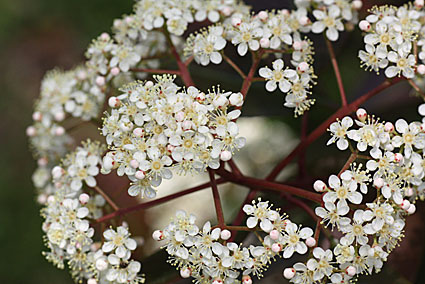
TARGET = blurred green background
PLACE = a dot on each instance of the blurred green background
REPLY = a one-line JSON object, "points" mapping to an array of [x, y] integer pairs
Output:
{"points": [[37, 35]]}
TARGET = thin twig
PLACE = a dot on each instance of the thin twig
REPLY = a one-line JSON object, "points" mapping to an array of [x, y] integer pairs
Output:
{"points": [[337, 73], [234, 66], [106, 197], [217, 201]]}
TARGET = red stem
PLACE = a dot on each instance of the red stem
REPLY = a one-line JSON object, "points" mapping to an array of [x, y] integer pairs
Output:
{"points": [[217, 202], [268, 185], [343, 111], [158, 201], [337, 73]]}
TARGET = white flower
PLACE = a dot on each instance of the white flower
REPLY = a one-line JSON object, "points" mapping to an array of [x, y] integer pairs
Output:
{"points": [[357, 231], [411, 135], [329, 20], [278, 76], [262, 213], [293, 239], [321, 266], [342, 192], [246, 36], [339, 131], [332, 214], [119, 241], [382, 215], [206, 46], [404, 65]]}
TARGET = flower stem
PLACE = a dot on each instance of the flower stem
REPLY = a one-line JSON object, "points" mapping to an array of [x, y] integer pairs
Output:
{"points": [[157, 71], [234, 66], [158, 201], [337, 73], [217, 202], [106, 197]]}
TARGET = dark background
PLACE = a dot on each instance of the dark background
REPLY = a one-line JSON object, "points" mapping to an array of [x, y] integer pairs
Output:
{"points": [[37, 35]]}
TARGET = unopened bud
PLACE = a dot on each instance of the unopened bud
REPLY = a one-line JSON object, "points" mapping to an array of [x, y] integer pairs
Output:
{"points": [[91, 281], [57, 172], [276, 247], [419, 3], [298, 45], [185, 272], [319, 186], [42, 161], [361, 114], [389, 127], [304, 20], [140, 174], [398, 157], [31, 131], [134, 164], [84, 198], [357, 4], [114, 102], [59, 116], [289, 273], [115, 71], [37, 116], [100, 80], [421, 69], [158, 235], [408, 192], [138, 132], [310, 242], [236, 22], [246, 279], [405, 204], [263, 15], [265, 42], [225, 235], [365, 25], [274, 234], [225, 155], [101, 264], [378, 182], [412, 209]]}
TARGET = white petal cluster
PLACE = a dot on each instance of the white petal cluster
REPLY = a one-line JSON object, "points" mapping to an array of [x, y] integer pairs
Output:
{"points": [[369, 234], [70, 237], [159, 126], [204, 255], [391, 34]]}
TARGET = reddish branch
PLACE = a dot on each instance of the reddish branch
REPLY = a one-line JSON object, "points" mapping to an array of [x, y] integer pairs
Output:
{"points": [[217, 202], [158, 201], [268, 185], [343, 111], [337, 73], [256, 58], [106, 197]]}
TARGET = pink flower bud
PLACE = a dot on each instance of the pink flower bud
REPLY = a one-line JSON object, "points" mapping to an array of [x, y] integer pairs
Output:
{"points": [[289, 273], [157, 235], [42, 199], [225, 155], [185, 272], [140, 175], [31, 131], [378, 182], [405, 204], [263, 15], [419, 3], [357, 4], [364, 25], [59, 131], [37, 116], [285, 12], [319, 186], [361, 114], [302, 67], [84, 198], [105, 36], [50, 199], [226, 11], [134, 164], [114, 102], [412, 209], [274, 234], [149, 84], [351, 271], [115, 71], [42, 161], [389, 127], [276, 247], [91, 281], [310, 242], [100, 80], [246, 279], [398, 157], [421, 69], [225, 235], [265, 42], [82, 75], [59, 116]]}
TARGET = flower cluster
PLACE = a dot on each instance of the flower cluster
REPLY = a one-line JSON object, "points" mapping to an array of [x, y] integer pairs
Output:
{"points": [[372, 231], [155, 127], [70, 237], [208, 256], [391, 34]]}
